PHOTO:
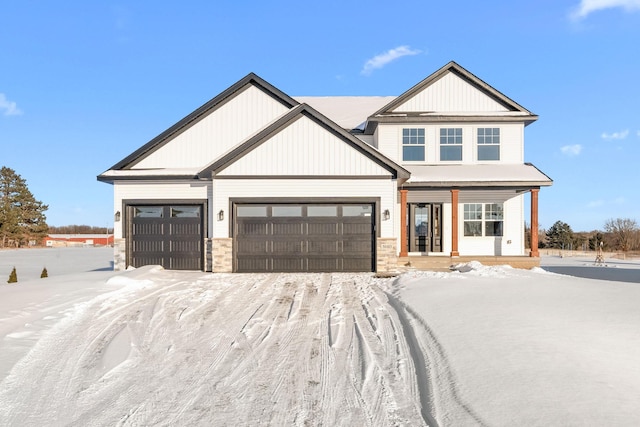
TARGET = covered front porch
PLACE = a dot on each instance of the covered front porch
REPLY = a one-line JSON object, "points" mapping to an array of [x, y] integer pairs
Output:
{"points": [[477, 214]]}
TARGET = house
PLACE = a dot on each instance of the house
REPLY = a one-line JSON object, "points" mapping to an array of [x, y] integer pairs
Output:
{"points": [[255, 180], [59, 240]]}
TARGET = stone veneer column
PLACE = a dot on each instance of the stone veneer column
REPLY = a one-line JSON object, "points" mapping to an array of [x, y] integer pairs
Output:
{"points": [[403, 224], [386, 258], [534, 222], [454, 222], [119, 254], [222, 249]]}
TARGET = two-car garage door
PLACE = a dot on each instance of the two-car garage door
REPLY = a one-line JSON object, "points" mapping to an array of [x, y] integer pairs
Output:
{"points": [[304, 237]]}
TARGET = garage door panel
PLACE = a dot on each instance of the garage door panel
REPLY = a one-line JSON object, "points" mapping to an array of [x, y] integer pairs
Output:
{"points": [[251, 228], [250, 246], [317, 264], [355, 229], [193, 247], [283, 263], [288, 246], [148, 246], [147, 260], [319, 247], [284, 228], [304, 237], [253, 264], [320, 229], [183, 263], [144, 227], [357, 264], [190, 230]]}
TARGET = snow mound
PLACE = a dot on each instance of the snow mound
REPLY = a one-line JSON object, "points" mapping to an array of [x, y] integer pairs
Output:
{"points": [[478, 269], [135, 277]]}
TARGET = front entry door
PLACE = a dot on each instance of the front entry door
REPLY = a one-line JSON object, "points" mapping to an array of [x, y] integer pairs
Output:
{"points": [[425, 227]]}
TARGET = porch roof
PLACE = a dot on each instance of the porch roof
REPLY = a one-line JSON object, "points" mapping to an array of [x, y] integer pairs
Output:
{"points": [[485, 175]]}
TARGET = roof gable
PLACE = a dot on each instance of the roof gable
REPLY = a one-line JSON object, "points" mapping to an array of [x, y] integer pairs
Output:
{"points": [[449, 92], [298, 144], [250, 82]]}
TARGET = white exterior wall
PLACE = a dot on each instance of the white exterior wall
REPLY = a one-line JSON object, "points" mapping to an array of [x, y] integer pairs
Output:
{"points": [[225, 189], [451, 94], [304, 148], [156, 190], [512, 241], [217, 133], [511, 142]]}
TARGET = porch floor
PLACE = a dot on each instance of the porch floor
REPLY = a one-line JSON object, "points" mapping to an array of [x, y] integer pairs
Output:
{"points": [[442, 263]]}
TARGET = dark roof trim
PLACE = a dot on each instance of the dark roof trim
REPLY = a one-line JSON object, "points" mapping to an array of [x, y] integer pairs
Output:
{"points": [[297, 112], [417, 118], [198, 114], [460, 72], [112, 179]]}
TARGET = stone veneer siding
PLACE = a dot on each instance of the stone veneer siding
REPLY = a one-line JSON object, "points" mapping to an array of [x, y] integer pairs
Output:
{"points": [[120, 254], [387, 255], [222, 249]]}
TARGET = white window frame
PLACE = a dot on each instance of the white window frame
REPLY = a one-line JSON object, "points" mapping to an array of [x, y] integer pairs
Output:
{"points": [[414, 138], [451, 138], [486, 216], [488, 138]]}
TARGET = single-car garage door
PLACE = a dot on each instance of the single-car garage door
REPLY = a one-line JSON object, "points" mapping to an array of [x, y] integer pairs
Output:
{"points": [[304, 237], [166, 235]]}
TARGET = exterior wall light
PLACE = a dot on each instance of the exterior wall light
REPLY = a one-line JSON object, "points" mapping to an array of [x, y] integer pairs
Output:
{"points": [[116, 216], [386, 215], [221, 215]]}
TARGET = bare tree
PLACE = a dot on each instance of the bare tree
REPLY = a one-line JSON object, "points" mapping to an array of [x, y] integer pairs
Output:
{"points": [[624, 231]]}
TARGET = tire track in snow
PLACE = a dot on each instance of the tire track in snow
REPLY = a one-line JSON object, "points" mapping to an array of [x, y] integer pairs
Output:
{"points": [[433, 372], [269, 349]]}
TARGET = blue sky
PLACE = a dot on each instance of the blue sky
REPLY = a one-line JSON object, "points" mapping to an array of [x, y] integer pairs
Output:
{"points": [[83, 84]]}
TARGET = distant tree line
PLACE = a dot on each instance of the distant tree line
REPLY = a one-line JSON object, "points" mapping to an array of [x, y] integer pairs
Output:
{"points": [[620, 234], [22, 218], [79, 229]]}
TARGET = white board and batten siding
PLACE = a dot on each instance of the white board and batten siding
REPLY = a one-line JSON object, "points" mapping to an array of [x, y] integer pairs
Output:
{"points": [[304, 148], [383, 189], [389, 142], [154, 190], [450, 94], [218, 132]]}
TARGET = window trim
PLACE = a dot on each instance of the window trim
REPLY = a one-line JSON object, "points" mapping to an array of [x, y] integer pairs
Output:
{"points": [[488, 215], [495, 133], [419, 134], [451, 141]]}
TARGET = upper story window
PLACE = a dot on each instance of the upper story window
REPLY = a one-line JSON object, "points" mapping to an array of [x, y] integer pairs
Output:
{"points": [[413, 145], [488, 144], [451, 144]]}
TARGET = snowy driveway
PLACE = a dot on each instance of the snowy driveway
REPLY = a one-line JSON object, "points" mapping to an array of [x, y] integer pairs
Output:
{"points": [[174, 348]]}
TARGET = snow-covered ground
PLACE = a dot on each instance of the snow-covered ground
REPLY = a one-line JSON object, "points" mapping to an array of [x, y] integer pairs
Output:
{"points": [[481, 346]]}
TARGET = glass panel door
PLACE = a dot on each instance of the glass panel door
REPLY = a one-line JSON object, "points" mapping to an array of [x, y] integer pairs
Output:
{"points": [[419, 227]]}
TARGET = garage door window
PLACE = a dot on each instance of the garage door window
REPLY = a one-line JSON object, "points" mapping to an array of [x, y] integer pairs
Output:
{"points": [[251, 211], [286, 211], [185, 212], [330, 211], [364, 210], [148, 211]]}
